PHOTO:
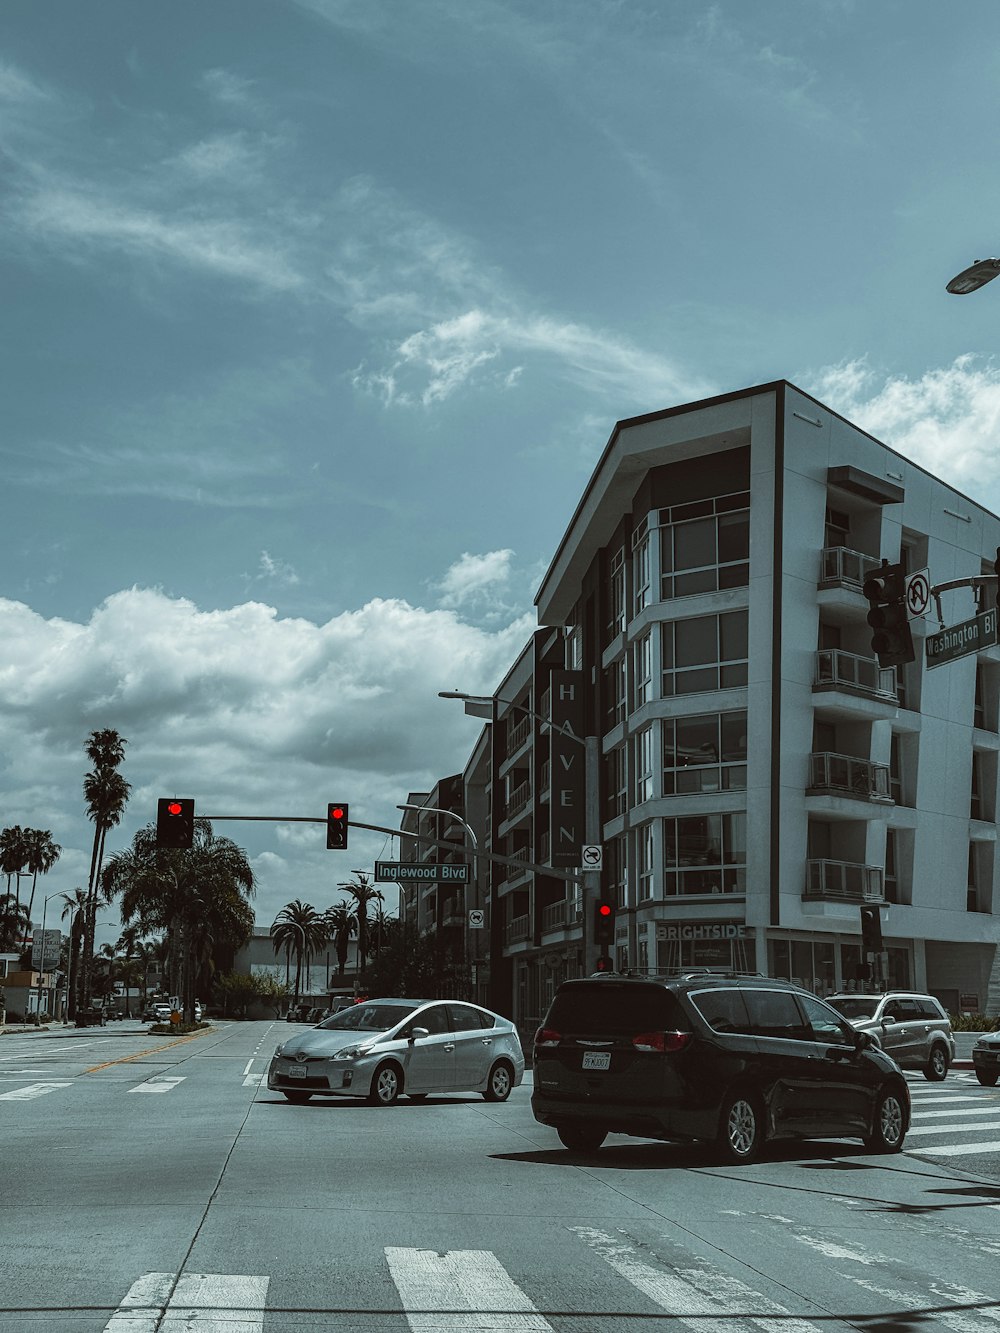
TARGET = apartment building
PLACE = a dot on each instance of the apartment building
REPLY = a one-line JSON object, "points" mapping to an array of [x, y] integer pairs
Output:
{"points": [[761, 777]]}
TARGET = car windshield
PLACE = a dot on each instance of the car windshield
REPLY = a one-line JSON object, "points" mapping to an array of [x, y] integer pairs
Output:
{"points": [[855, 1006], [368, 1017]]}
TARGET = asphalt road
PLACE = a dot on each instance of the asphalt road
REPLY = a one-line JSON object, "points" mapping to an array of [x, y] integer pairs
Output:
{"points": [[152, 1184]]}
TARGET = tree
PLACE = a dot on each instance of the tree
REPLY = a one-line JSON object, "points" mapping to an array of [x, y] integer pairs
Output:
{"points": [[198, 896], [300, 928], [13, 923], [106, 793], [74, 907], [341, 924], [362, 892], [239, 989], [41, 855], [418, 967], [13, 855]]}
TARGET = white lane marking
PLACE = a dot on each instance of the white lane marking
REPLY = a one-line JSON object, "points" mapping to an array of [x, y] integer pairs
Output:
{"points": [[951, 1099], [952, 1129], [32, 1090], [961, 1321], [210, 1302], [461, 1290], [691, 1292], [961, 1149], [253, 1080], [939, 1115], [14, 1073], [249, 1066], [158, 1084]]}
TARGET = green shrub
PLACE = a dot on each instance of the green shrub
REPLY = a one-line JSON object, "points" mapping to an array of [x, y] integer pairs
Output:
{"points": [[973, 1023]]}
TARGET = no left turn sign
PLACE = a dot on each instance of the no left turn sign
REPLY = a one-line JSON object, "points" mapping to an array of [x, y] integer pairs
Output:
{"points": [[918, 593]]}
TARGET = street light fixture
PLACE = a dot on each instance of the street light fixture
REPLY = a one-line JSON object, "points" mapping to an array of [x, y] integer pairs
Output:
{"points": [[975, 276], [41, 961]]}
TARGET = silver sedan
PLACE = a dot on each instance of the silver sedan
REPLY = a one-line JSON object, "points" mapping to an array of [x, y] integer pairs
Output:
{"points": [[381, 1049]]}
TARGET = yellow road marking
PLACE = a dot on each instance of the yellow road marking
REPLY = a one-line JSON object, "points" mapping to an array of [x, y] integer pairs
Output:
{"points": [[139, 1054]]}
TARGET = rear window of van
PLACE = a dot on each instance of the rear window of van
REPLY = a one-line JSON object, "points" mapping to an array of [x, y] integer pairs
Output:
{"points": [[605, 1008]]}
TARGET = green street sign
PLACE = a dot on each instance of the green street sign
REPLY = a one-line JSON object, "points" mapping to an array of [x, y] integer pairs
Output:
{"points": [[969, 636], [406, 872]]}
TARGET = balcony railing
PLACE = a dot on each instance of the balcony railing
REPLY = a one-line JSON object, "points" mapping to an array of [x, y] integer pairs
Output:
{"points": [[844, 880], [518, 929], [554, 916], [835, 667], [844, 775], [518, 734], [518, 799], [846, 568]]}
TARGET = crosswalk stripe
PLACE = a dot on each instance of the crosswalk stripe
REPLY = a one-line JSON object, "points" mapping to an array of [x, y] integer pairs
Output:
{"points": [[940, 1115], [210, 1302], [32, 1090], [962, 1149], [460, 1290], [158, 1084], [952, 1129], [692, 1292]]}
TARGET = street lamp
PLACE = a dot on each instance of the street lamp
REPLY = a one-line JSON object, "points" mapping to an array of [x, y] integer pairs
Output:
{"points": [[975, 276], [299, 927], [476, 861], [481, 705], [41, 961]]}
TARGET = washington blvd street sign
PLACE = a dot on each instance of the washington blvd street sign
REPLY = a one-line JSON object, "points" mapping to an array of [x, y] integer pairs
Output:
{"points": [[405, 872], [960, 640]]}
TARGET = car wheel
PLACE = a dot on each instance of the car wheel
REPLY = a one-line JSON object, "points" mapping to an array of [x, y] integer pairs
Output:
{"points": [[936, 1068], [887, 1131], [500, 1082], [417, 1096], [741, 1128], [298, 1096], [987, 1080], [581, 1138], [387, 1084]]}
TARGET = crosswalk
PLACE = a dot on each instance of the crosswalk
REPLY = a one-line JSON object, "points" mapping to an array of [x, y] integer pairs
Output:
{"points": [[958, 1118]]}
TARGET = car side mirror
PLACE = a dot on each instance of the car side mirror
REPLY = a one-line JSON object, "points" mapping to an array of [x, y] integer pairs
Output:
{"points": [[419, 1032], [863, 1041], [889, 1018]]}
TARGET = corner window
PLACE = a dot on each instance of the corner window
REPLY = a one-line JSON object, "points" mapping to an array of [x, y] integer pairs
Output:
{"points": [[705, 546], [705, 653], [706, 752], [704, 854]]}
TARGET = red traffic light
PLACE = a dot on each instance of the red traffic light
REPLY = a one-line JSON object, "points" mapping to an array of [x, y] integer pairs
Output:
{"points": [[604, 910], [336, 826], [175, 823], [174, 808], [337, 812]]}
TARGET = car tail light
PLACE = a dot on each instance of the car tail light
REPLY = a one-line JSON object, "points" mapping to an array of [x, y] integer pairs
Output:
{"points": [[661, 1041], [547, 1037]]}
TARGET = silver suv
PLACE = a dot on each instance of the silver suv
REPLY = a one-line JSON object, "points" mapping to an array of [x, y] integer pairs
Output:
{"points": [[914, 1029]]}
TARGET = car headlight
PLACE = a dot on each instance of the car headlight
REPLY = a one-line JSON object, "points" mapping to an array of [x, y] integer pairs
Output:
{"points": [[279, 1049], [351, 1052]]}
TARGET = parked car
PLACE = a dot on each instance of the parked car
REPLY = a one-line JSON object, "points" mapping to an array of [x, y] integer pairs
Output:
{"points": [[986, 1058], [914, 1029], [297, 1013], [93, 1015], [384, 1048], [728, 1058]]}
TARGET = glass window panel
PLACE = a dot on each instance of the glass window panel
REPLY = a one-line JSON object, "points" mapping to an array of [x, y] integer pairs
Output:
{"points": [[667, 646], [736, 837], [696, 640], [734, 537], [687, 585], [732, 676], [734, 576], [694, 682], [666, 550], [694, 544], [697, 740], [775, 1014], [734, 735], [723, 1010], [733, 636], [694, 510]]}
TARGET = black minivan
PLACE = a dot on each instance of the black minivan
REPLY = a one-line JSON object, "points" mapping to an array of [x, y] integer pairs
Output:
{"points": [[725, 1057]]}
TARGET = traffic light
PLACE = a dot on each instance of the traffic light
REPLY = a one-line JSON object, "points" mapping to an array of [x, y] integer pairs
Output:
{"points": [[996, 571], [174, 823], [892, 642], [604, 923], [336, 826], [871, 929], [604, 964]]}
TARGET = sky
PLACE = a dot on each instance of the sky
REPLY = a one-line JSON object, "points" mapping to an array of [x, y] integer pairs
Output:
{"points": [[317, 315]]}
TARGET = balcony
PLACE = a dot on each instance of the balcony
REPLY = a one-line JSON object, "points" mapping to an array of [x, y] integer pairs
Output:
{"points": [[854, 686], [843, 775], [518, 930], [843, 568], [563, 915], [518, 799], [843, 881], [518, 734]]}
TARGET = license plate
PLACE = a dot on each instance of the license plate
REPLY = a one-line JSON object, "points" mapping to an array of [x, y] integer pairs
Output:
{"points": [[296, 1071], [597, 1060]]}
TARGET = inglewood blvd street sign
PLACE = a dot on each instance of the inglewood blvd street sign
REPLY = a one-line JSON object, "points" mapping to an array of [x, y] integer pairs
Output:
{"points": [[406, 872], [969, 636]]}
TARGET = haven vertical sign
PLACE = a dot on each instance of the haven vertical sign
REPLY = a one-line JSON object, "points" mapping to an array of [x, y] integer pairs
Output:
{"points": [[568, 769]]}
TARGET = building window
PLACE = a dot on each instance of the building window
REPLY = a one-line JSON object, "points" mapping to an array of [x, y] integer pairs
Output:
{"points": [[644, 859], [837, 528], [615, 783], [642, 573], [704, 653], [642, 749], [897, 790], [614, 693], [979, 897], [705, 753], [642, 670], [616, 596], [615, 874], [976, 797], [890, 886], [705, 546], [704, 854]]}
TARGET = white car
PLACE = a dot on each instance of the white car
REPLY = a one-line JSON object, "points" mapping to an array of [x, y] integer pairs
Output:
{"points": [[381, 1049]]}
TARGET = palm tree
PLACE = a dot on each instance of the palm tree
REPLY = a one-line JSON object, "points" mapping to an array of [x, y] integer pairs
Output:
{"points": [[13, 923], [74, 907], [362, 892], [198, 896], [106, 793], [341, 924], [41, 855], [13, 855], [300, 927]]}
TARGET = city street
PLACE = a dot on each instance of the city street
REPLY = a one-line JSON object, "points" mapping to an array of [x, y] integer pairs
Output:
{"points": [[149, 1180]]}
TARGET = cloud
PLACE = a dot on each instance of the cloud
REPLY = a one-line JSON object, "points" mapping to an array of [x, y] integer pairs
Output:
{"points": [[946, 420], [473, 575], [276, 571], [246, 711]]}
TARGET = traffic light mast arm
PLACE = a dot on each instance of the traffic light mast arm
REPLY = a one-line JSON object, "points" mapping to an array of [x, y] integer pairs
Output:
{"points": [[973, 581]]}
